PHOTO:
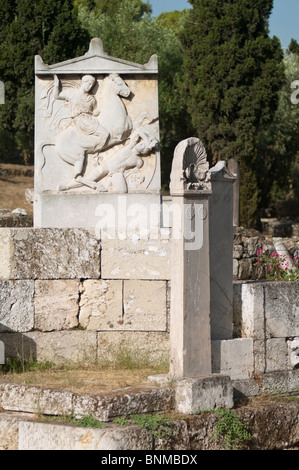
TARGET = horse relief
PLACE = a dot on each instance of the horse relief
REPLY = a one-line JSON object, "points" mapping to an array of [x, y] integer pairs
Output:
{"points": [[85, 126]]}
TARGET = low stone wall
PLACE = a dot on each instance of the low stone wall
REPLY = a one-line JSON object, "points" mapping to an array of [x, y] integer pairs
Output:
{"points": [[246, 243], [66, 295]]}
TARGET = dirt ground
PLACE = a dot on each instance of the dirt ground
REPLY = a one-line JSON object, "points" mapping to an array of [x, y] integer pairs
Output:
{"points": [[14, 181]]}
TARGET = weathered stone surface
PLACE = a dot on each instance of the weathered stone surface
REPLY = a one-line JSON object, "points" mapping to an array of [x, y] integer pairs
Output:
{"points": [[233, 358], [103, 407], [9, 431], [237, 251], [136, 259], [139, 345], [123, 402], [203, 393], [144, 305], [121, 107], [249, 309], [48, 254], [101, 305], [245, 269], [56, 402], [221, 251], [22, 398], [276, 354], [56, 304], [280, 381], [47, 436], [273, 426], [57, 346], [282, 309], [293, 352], [245, 388], [16, 306]]}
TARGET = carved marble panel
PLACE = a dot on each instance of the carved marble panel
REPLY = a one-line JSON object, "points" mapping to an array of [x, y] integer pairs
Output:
{"points": [[96, 125]]}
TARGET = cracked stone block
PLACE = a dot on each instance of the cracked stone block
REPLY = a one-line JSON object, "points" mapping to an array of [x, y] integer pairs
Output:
{"points": [[136, 259], [293, 352], [16, 306], [145, 305], [56, 304], [282, 309], [35, 253], [101, 305]]}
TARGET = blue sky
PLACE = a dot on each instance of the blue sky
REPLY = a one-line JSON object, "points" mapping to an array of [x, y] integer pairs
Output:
{"points": [[284, 21]]}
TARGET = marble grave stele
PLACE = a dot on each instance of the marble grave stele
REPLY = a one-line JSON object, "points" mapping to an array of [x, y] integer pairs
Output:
{"points": [[96, 139]]}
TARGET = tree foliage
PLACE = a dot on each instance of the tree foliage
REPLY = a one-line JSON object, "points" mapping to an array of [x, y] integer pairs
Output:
{"points": [[277, 165], [110, 7], [28, 28], [233, 73]]}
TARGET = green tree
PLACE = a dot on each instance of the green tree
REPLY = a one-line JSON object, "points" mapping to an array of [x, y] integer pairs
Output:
{"points": [[173, 19], [110, 7], [233, 72], [294, 47], [136, 40], [31, 27], [278, 143]]}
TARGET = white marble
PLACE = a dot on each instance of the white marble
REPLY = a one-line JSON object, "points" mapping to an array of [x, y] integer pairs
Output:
{"points": [[96, 132]]}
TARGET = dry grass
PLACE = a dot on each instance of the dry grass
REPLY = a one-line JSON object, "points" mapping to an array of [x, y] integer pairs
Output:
{"points": [[83, 379], [12, 192]]}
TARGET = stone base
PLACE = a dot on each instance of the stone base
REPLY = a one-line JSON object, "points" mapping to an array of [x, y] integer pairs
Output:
{"points": [[203, 393], [103, 212]]}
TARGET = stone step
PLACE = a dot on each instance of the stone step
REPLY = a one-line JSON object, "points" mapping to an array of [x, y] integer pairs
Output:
{"points": [[20, 431], [103, 407]]}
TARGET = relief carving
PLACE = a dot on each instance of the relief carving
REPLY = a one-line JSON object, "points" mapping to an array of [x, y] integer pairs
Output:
{"points": [[190, 168], [86, 127]]}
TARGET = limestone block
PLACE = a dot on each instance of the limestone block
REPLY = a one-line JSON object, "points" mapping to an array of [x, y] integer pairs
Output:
{"points": [[237, 251], [245, 269], [101, 305], [55, 402], [293, 352], [251, 246], [280, 381], [249, 309], [235, 268], [48, 436], [203, 393], [259, 353], [282, 309], [16, 305], [233, 358], [9, 432], [145, 305], [276, 354], [245, 388], [31, 253], [139, 345], [56, 304], [135, 400], [15, 397], [58, 346], [136, 259]]}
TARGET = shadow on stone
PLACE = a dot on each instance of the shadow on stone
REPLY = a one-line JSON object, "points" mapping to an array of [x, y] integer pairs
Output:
{"points": [[18, 346]]}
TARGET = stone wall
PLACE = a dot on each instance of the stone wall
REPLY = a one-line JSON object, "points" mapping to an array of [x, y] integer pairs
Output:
{"points": [[66, 295], [246, 243]]}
